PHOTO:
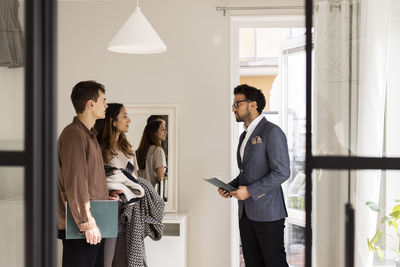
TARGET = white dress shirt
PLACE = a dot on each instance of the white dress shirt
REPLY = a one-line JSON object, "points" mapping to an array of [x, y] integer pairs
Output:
{"points": [[249, 131]]}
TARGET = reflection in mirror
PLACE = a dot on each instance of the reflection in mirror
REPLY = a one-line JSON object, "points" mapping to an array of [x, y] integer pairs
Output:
{"points": [[139, 122], [151, 154], [139, 115]]}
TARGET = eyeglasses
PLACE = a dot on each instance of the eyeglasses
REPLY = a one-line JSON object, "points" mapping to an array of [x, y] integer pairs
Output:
{"points": [[236, 104]]}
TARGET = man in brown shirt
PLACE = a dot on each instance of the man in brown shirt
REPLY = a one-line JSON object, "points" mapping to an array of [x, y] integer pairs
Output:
{"points": [[81, 175]]}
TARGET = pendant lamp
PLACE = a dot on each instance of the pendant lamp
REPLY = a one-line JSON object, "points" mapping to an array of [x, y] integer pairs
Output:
{"points": [[137, 36]]}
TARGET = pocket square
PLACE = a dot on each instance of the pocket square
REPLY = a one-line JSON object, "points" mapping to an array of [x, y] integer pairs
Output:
{"points": [[256, 140], [260, 196]]}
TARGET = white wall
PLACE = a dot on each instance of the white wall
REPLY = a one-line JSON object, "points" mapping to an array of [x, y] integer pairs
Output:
{"points": [[193, 73]]}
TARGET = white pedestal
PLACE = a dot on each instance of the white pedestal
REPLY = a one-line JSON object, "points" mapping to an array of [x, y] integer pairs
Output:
{"points": [[171, 250]]}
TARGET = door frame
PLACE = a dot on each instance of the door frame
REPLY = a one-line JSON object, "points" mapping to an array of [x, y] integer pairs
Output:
{"points": [[39, 155], [237, 22]]}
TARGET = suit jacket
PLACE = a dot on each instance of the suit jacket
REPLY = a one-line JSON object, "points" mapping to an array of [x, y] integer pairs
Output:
{"points": [[265, 167]]}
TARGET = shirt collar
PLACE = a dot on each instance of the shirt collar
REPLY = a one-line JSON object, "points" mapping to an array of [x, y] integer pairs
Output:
{"points": [[92, 132], [253, 124]]}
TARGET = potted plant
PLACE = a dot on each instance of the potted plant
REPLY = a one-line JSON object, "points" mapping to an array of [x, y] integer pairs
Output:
{"points": [[392, 220]]}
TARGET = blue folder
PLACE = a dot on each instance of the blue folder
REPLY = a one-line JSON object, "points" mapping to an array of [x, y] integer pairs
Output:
{"points": [[105, 212]]}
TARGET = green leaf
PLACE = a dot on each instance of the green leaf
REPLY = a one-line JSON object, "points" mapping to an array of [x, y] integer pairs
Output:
{"points": [[384, 219], [373, 206], [395, 212], [397, 200], [396, 208], [370, 246], [379, 251], [393, 224], [395, 215], [376, 237]]}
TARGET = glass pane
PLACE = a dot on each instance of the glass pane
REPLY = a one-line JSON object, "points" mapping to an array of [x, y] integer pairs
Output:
{"points": [[355, 97], [12, 224], [246, 43], [12, 61], [269, 41], [296, 128], [328, 217], [374, 194], [377, 215], [295, 245]]}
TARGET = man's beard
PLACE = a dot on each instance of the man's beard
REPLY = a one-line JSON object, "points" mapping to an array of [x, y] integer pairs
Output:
{"points": [[241, 118]]}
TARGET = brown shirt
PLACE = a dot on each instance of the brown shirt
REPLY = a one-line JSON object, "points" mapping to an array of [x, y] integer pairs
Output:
{"points": [[81, 175]]}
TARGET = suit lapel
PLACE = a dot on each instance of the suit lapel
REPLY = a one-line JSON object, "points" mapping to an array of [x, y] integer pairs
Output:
{"points": [[239, 160], [256, 132]]}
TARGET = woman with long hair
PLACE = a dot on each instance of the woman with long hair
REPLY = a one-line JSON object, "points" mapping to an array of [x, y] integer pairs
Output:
{"points": [[150, 154], [121, 171]]}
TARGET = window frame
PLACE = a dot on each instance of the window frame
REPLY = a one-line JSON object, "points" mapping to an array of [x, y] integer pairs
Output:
{"points": [[39, 156], [331, 162]]}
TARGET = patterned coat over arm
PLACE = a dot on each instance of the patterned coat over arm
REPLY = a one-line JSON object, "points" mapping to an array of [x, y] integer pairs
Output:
{"points": [[143, 218]]}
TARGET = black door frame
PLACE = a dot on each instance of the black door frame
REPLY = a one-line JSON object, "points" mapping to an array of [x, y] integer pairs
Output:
{"points": [[39, 156], [331, 162]]}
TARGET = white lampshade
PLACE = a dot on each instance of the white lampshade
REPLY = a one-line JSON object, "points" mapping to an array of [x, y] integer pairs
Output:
{"points": [[137, 36]]}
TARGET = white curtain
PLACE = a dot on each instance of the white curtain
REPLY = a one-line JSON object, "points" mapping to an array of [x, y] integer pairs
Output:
{"points": [[331, 78], [393, 84], [373, 68], [330, 128], [393, 111]]}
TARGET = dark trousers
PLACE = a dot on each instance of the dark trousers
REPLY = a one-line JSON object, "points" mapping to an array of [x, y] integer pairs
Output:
{"points": [[79, 253], [262, 243], [120, 257]]}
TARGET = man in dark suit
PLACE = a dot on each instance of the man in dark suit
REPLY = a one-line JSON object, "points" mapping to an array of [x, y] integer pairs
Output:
{"points": [[263, 161]]}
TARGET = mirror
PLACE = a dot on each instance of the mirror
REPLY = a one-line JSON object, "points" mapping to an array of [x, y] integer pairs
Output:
{"points": [[138, 115]]}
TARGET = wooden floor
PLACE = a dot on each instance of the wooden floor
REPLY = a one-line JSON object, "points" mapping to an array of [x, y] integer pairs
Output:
{"points": [[296, 260], [241, 258]]}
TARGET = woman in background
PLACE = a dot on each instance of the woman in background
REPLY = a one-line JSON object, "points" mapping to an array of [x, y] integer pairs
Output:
{"points": [[121, 170], [150, 154]]}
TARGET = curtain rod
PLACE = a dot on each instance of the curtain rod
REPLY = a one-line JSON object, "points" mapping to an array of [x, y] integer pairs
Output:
{"points": [[224, 9]]}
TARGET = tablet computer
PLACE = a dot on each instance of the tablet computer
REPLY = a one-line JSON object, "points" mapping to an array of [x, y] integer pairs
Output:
{"points": [[218, 183]]}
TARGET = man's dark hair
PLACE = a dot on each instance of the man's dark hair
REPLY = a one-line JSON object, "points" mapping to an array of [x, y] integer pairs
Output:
{"points": [[85, 91], [253, 94]]}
